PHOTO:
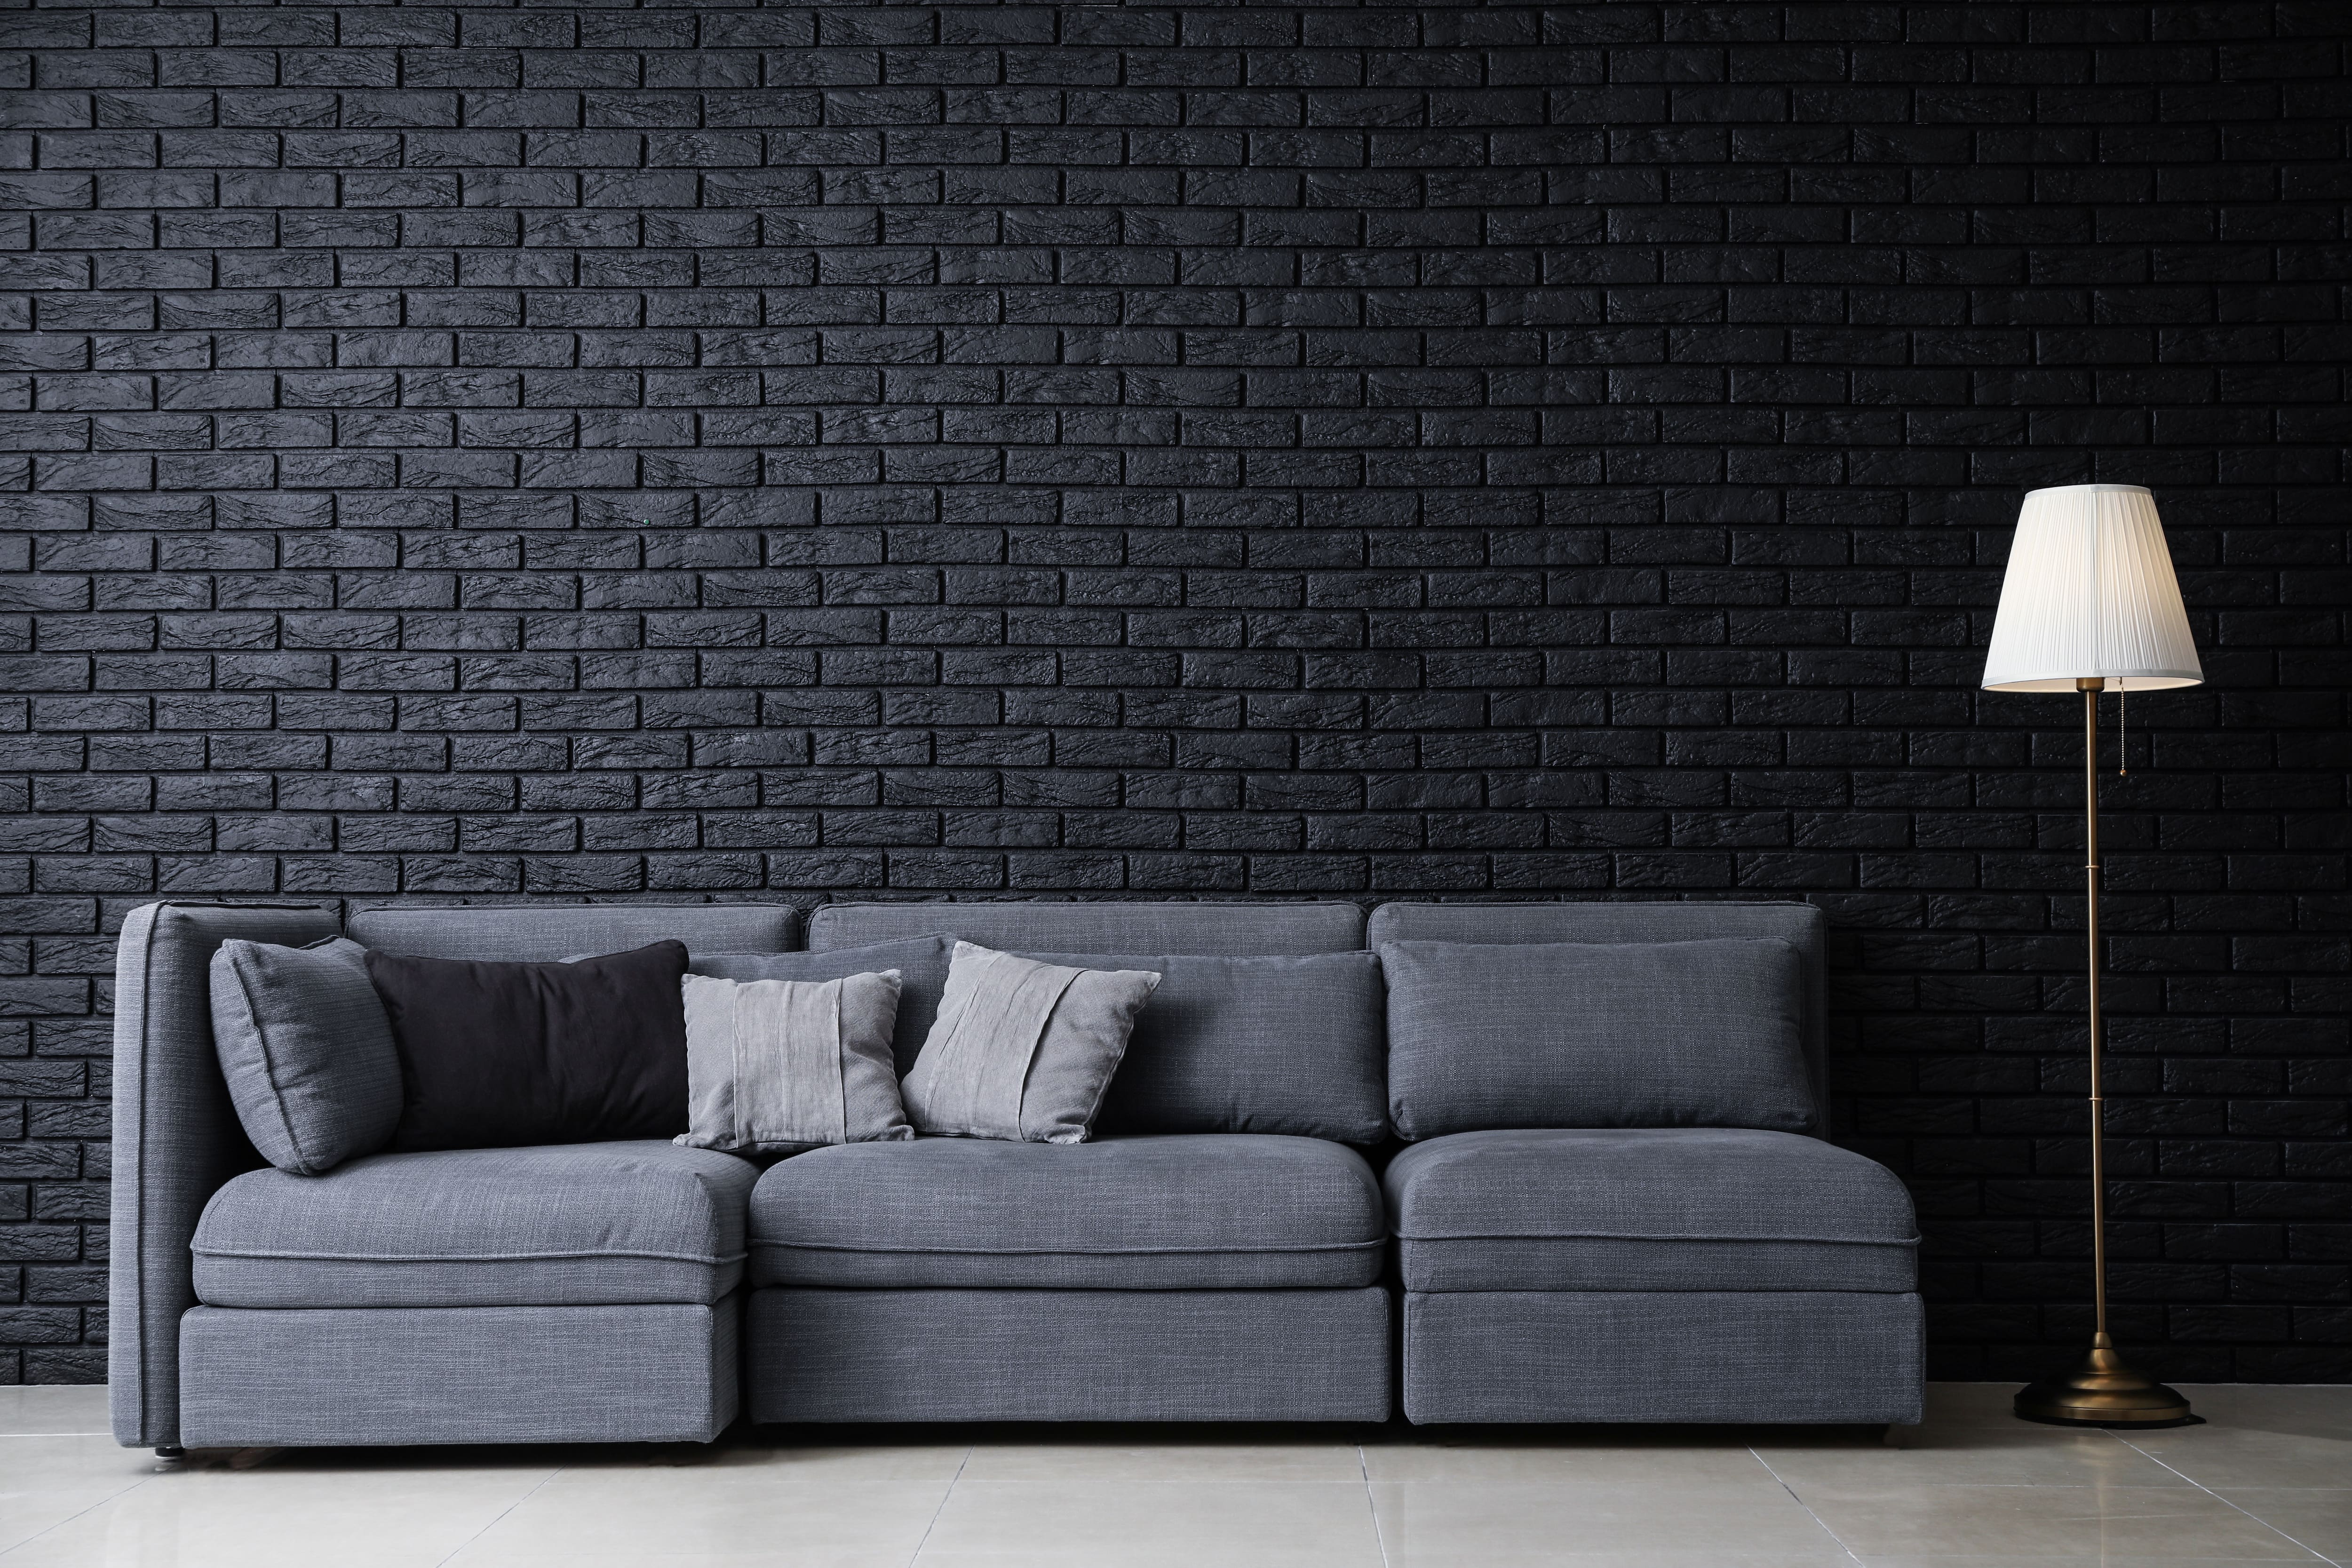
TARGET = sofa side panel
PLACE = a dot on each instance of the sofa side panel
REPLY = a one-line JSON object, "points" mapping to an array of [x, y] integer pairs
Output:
{"points": [[177, 1137], [1663, 1356], [347, 1377], [1069, 1355]]}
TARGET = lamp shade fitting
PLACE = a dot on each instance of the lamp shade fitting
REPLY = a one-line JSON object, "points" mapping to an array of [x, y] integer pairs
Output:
{"points": [[2090, 592]]}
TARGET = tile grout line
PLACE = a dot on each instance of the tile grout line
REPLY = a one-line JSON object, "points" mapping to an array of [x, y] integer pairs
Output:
{"points": [[2209, 1491], [934, 1522], [456, 1551], [109, 1497], [1836, 1538], [1380, 1537], [134, 1486]]}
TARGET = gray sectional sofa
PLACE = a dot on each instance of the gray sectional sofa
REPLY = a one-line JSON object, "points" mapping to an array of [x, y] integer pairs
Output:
{"points": [[1244, 1240]]}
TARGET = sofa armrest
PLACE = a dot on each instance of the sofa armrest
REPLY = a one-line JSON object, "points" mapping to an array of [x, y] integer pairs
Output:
{"points": [[176, 1137]]}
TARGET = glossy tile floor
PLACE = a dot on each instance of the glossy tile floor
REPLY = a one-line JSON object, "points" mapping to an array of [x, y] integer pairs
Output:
{"points": [[2269, 1480]]}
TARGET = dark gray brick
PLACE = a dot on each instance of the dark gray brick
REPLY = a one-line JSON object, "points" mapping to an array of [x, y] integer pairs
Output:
{"points": [[1231, 451]]}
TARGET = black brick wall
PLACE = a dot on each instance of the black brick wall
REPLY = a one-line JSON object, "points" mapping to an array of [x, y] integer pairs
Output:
{"points": [[1271, 450]]}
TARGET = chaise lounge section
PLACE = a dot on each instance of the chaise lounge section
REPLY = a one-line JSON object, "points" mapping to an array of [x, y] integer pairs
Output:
{"points": [[575, 1293]]}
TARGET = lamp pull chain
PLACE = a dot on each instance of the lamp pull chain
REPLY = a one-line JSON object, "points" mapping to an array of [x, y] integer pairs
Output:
{"points": [[2123, 732]]}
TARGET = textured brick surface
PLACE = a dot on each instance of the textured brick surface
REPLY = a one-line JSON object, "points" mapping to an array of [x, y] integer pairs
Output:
{"points": [[1252, 450]]}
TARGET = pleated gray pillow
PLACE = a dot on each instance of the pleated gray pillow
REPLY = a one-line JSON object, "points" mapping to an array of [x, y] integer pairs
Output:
{"points": [[775, 1066], [306, 1050], [1022, 1050], [922, 963], [1648, 1034]]}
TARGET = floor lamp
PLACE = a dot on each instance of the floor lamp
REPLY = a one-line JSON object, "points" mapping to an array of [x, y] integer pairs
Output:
{"points": [[2089, 604]]}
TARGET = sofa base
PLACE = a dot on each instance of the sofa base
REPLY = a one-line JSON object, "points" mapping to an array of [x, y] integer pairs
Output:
{"points": [[456, 1375], [1069, 1355], [1639, 1355]]}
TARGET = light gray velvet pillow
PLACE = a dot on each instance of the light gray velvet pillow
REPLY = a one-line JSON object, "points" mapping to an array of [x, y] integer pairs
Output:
{"points": [[1023, 1050], [307, 1051], [1636, 1034], [773, 1066]]}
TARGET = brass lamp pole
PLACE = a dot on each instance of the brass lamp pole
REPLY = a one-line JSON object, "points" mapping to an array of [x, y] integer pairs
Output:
{"points": [[2089, 598]]}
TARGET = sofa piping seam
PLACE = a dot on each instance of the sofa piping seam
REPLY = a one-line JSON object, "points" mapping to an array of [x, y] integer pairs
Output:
{"points": [[138, 1250], [1657, 1291], [429, 1258], [1065, 1251], [1642, 1235]]}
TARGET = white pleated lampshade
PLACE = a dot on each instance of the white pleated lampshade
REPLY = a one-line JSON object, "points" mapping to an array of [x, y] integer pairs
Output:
{"points": [[2090, 591]]}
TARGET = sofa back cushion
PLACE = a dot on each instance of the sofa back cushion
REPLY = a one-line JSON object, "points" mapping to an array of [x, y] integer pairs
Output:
{"points": [[1679, 1034], [1278, 1044], [542, 934], [922, 963], [1800, 925], [1282, 1043], [1037, 926], [1282, 1035]]}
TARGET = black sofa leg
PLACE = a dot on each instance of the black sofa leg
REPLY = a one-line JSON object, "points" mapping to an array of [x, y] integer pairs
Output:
{"points": [[171, 1451]]}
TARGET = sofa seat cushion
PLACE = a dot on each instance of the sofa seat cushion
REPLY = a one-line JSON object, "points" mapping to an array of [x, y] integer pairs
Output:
{"points": [[566, 1224], [1683, 1208], [1196, 1211]]}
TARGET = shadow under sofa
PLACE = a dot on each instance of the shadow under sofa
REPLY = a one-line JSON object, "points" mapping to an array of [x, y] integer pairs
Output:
{"points": [[1207, 1261]]}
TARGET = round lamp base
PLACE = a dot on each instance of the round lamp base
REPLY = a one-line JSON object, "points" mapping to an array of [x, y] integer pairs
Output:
{"points": [[2104, 1392]]}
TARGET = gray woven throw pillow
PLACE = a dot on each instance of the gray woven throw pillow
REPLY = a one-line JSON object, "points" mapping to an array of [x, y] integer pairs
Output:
{"points": [[307, 1051], [920, 961], [777, 1066], [1023, 1050]]}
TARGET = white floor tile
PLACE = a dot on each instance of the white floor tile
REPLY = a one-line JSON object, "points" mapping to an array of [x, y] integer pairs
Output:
{"points": [[2097, 1522], [714, 1510], [2320, 1520], [1977, 1489], [2220, 1456], [507, 1556], [53, 1409], [1426, 1524], [2020, 1454], [1578, 1455], [45, 1481], [1155, 1524], [2271, 1407], [1140, 1456], [375, 1511], [2116, 1559], [792, 1456]]}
